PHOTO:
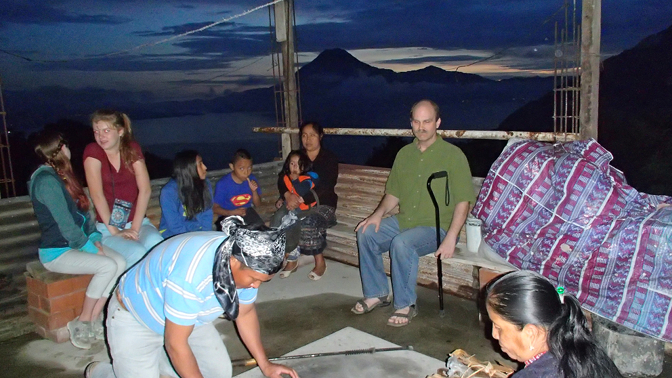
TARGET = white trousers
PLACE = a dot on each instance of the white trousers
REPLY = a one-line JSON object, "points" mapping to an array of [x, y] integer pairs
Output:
{"points": [[138, 352]]}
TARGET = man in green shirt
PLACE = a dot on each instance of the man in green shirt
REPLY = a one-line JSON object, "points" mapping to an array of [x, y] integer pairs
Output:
{"points": [[412, 232]]}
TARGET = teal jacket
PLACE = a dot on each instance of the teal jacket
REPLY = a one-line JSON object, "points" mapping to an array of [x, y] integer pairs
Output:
{"points": [[62, 224]]}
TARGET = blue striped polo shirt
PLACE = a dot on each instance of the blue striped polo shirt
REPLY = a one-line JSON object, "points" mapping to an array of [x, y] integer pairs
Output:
{"points": [[174, 281]]}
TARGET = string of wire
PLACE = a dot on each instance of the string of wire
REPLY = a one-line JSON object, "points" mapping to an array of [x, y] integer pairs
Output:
{"points": [[149, 44], [502, 51]]}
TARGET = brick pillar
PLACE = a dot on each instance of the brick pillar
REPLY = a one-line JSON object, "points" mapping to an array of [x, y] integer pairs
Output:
{"points": [[54, 299]]}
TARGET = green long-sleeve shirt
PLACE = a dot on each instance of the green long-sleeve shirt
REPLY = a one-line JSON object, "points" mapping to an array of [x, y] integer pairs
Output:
{"points": [[408, 182]]}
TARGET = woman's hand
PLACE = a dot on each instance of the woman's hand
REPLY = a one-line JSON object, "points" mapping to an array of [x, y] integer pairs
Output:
{"points": [[129, 234], [278, 203], [292, 201]]}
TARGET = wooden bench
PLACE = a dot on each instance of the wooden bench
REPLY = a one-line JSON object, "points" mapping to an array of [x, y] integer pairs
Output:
{"points": [[360, 189]]}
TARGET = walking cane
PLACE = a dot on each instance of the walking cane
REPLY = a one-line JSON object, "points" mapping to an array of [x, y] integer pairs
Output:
{"points": [[439, 267]]}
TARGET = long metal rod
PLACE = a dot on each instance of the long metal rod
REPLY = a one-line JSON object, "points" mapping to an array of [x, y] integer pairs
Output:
{"points": [[457, 134], [253, 362]]}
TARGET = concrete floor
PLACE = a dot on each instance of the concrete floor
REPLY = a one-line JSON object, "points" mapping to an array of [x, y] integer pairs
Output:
{"points": [[293, 313]]}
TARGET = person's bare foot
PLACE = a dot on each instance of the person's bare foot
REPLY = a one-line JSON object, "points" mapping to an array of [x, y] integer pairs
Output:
{"points": [[402, 316], [320, 265]]}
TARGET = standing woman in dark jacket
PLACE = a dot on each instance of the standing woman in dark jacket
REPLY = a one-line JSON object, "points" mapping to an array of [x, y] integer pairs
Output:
{"points": [[313, 239], [186, 200], [69, 242], [546, 330]]}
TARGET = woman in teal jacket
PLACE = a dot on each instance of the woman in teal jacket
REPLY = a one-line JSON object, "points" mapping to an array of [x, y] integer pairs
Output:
{"points": [[69, 242], [186, 200]]}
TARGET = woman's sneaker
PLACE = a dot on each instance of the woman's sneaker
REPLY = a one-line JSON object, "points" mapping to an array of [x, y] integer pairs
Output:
{"points": [[97, 329], [80, 333]]}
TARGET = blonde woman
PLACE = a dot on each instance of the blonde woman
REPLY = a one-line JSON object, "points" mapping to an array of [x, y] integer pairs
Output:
{"points": [[119, 186]]}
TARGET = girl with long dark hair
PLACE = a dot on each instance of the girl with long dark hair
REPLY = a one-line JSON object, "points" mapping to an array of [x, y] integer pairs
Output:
{"points": [[119, 186], [546, 330], [186, 200], [69, 242]]}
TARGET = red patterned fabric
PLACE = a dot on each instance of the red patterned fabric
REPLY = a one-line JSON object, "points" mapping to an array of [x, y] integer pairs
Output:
{"points": [[561, 210]]}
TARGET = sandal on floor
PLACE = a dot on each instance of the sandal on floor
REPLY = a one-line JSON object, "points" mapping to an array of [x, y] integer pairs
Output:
{"points": [[382, 302], [412, 312], [287, 273], [315, 277]]}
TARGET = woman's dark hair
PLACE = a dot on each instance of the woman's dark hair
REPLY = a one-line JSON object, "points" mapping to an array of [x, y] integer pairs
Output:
{"points": [[48, 146], [525, 297], [191, 189], [305, 164], [315, 125], [241, 154]]}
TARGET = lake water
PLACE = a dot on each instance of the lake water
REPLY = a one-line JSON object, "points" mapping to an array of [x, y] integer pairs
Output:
{"points": [[217, 136]]}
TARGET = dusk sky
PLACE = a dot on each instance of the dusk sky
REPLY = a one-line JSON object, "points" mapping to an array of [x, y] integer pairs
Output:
{"points": [[68, 40]]}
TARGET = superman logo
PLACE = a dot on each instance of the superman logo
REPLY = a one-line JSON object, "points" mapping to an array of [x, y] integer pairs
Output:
{"points": [[241, 199]]}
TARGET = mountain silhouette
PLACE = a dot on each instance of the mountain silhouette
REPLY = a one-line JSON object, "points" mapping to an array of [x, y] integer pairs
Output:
{"points": [[338, 64], [635, 113]]}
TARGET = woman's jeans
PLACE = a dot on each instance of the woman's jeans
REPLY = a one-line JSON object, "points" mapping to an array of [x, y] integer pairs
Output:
{"points": [[405, 248], [105, 269], [138, 352], [132, 250]]}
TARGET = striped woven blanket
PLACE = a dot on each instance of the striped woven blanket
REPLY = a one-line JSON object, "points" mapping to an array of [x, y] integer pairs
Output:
{"points": [[562, 211]]}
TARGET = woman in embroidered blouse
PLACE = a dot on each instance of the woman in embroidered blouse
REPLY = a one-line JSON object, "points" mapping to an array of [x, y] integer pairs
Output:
{"points": [[186, 200], [69, 242], [545, 330], [119, 186]]}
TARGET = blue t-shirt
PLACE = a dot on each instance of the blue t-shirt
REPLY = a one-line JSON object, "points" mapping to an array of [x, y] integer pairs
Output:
{"points": [[230, 195], [174, 281]]}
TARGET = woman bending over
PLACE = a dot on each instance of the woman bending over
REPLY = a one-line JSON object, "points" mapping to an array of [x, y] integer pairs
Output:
{"points": [[545, 330]]}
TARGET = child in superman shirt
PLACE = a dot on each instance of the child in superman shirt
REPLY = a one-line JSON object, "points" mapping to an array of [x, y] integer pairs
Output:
{"points": [[237, 192]]}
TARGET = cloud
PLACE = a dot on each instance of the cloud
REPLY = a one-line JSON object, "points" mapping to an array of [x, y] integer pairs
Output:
{"points": [[430, 59], [139, 63], [44, 13]]}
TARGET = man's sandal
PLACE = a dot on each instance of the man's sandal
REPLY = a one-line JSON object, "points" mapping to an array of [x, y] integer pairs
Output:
{"points": [[412, 312], [382, 302]]}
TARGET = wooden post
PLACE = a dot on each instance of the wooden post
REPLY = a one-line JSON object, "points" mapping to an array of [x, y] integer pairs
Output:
{"points": [[285, 31], [591, 23]]}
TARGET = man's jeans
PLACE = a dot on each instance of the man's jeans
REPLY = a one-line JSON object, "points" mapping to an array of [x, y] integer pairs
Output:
{"points": [[405, 250], [138, 351]]}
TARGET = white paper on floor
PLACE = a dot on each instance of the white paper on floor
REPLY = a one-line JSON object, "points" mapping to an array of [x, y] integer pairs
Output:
{"points": [[405, 363]]}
